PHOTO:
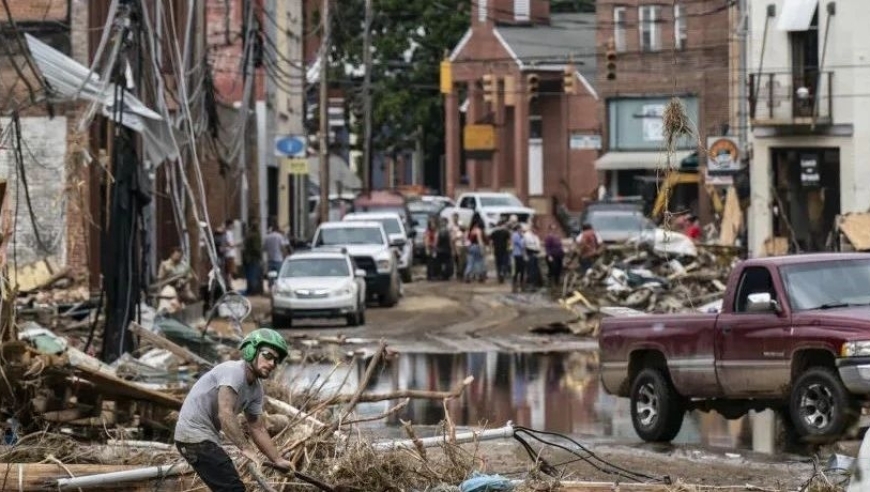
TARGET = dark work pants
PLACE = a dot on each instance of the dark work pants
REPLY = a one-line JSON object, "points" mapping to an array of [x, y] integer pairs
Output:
{"points": [[213, 466]]}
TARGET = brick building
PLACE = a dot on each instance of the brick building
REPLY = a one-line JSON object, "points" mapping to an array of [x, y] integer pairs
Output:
{"points": [[545, 134], [662, 50]]}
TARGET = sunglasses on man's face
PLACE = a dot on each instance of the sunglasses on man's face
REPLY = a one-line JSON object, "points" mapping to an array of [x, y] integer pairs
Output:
{"points": [[269, 356]]}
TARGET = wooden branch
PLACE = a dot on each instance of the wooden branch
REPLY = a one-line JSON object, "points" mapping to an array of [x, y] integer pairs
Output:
{"points": [[456, 392], [166, 344], [391, 411], [370, 371]]}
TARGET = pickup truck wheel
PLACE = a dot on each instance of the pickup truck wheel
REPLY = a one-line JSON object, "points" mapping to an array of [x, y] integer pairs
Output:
{"points": [[820, 407], [656, 407]]}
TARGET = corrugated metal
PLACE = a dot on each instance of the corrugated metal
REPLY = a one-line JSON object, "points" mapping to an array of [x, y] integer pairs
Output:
{"points": [[522, 10], [796, 15]]}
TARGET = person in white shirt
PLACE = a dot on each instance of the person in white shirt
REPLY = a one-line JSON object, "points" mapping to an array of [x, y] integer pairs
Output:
{"points": [[532, 244]]}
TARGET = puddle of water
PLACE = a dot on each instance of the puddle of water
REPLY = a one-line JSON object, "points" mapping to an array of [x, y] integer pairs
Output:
{"points": [[558, 392]]}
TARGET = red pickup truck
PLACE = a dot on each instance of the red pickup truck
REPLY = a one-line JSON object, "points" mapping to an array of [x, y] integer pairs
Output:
{"points": [[793, 335]]}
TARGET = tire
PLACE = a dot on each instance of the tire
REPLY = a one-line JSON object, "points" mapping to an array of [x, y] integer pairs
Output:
{"points": [[820, 407], [656, 408], [357, 317], [280, 321], [391, 297], [406, 275]]}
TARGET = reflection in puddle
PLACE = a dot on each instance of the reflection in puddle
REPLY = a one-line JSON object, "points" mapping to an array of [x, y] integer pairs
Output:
{"points": [[553, 392]]}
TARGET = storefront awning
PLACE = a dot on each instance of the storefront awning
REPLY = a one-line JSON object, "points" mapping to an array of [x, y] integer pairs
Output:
{"points": [[623, 161], [797, 15]]}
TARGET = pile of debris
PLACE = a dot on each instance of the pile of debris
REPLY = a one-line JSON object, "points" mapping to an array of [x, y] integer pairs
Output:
{"points": [[646, 278]]}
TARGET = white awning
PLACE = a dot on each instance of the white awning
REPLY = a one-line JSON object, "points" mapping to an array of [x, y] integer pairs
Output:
{"points": [[623, 161], [797, 15]]}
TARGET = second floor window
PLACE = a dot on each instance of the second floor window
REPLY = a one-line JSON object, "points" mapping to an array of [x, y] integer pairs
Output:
{"points": [[619, 29], [681, 34], [650, 33]]}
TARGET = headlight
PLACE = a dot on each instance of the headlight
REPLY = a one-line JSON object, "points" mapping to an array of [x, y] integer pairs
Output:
{"points": [[285, 292], [344, 291], [384, 265], [855, 349]]}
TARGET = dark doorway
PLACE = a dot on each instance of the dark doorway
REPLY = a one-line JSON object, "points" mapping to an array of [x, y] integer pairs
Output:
{"points": [[807, 201]]}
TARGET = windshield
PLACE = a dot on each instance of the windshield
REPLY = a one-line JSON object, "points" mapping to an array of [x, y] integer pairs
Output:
{"points": [[827, 284], [500, 201], [349, 235], [315, 267], [384, 208], [421, 219], [619, 221]]}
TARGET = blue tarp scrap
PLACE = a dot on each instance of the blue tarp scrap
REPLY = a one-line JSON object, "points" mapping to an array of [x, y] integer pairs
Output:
{"points": [[486, 483]]}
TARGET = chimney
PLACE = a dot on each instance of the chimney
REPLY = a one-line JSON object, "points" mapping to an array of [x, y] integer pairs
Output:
{"points": [[517, 12]]}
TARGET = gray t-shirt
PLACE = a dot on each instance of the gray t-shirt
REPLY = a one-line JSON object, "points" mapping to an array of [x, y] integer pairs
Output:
{"points": [[198, 419], [274, 244]]}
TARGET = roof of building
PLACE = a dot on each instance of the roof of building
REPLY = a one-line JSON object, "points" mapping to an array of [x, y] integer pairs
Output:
{"points": [[567, 37]]}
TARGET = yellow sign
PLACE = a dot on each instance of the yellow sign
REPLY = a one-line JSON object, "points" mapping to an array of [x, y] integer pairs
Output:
{"points": [[297, 166], [479, 137], [446, 77]]}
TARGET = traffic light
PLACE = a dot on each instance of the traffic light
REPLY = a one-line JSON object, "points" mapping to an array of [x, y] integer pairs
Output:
{"points": [[532, 84], [568, 79], [611, 63], [488, 88]]}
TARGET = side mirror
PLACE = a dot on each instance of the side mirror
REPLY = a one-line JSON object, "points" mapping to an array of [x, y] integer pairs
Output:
{"points": [[272, 275], [761, 302], [359, 272], [398, 243]]}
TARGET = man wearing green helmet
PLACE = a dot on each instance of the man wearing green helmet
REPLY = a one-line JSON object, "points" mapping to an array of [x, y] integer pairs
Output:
{"points": [[214, 403]]}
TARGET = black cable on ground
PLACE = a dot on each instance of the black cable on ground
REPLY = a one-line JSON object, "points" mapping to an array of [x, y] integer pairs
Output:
{"points": [[589, 457]]}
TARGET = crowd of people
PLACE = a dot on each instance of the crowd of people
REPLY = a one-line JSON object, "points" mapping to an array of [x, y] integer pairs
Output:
{"points": [[457, 250]]}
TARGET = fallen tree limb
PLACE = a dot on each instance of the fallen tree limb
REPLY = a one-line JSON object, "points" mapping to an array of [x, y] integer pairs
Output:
{"points": [[166, 344], [409, 393]]}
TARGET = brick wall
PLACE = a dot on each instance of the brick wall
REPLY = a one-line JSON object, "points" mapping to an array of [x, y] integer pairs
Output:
{"points": [[701, 68]]}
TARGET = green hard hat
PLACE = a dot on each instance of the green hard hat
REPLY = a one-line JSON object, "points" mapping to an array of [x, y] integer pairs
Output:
{"points": [[263, 336]]}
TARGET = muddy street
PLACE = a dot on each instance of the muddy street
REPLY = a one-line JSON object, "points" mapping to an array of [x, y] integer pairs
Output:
{"points": [[443, 332]]}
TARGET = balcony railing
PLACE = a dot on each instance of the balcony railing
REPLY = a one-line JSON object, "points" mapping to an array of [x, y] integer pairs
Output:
{"points": [[791, 98]]}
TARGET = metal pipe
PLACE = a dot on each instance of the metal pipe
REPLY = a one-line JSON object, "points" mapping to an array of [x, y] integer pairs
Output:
{"points": [[461, 438], [135, 475]]}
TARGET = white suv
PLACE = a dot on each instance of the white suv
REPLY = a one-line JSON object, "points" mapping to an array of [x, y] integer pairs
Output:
{"points": [[492, 207], [318, 284], [368, 245], [396, 232]]}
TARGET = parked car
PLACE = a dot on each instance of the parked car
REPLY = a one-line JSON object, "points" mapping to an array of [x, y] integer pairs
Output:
{"points": [[399, 237], [793, 335], [367, 243], [492, 207], [320, 283], [615, 222], [384, 201]]}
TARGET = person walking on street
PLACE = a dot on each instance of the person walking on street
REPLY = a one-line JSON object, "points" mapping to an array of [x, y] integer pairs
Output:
{"points": [[587, 247], [431, 247], [215, 401], [444, 251], [460, 246], [500, 239], [475, 268], [532, 243], [277, 247], [555, 255], [518, 252]]}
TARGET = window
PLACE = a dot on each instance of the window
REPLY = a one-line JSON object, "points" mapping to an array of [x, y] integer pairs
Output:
{"points": [[681, 35], [522, 10], [649, 16], [619, 29], [755, 280]]}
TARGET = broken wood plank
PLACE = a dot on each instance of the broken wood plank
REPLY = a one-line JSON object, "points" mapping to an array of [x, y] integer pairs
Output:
{"points": [[110, 384], [166, 344]]}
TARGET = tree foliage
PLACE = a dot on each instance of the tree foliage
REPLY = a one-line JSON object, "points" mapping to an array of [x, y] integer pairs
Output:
{"points": [[409, 40]]}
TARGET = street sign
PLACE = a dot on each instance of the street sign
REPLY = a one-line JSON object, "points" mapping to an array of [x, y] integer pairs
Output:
{"points": [[580, 141], [290, 146], [297, 166], [479, 137]]}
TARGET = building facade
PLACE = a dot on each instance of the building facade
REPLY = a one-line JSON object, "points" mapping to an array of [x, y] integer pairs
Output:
{"points": [[649, 53], [531, 76], [808, 127]]}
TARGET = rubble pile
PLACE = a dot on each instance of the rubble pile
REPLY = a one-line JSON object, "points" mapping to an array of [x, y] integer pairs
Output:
{"points": [[645, 278]]}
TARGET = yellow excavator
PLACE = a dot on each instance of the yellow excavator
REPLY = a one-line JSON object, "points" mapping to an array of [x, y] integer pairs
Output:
{"points": [[669, 186]]}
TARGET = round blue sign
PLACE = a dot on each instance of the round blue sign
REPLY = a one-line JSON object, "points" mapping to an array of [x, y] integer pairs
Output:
{"points": [[290, 146]]}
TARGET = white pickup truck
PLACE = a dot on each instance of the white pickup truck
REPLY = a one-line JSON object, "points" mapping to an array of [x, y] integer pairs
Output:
{"points": [[492, 207]]}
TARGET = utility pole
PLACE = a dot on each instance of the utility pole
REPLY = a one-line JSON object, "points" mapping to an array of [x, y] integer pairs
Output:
{"points": [[743, 102], [324, 116], [366, 173]]}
